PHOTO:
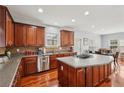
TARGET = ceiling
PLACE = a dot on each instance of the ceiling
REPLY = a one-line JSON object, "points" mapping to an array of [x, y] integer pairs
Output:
{"points": [[106, 19]]}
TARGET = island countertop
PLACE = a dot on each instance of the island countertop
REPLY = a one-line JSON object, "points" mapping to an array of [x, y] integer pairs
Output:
{"points": [[94, 60]]}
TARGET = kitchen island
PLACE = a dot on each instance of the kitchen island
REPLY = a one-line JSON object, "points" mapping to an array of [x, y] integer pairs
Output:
{"points": [[88, 72]]}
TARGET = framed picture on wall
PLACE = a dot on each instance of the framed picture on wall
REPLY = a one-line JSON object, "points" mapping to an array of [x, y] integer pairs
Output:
{"points": [[85, 41]]}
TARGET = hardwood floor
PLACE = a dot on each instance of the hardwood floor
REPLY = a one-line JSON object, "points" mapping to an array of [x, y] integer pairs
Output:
{"points": [[45, 79], [49, 79]]}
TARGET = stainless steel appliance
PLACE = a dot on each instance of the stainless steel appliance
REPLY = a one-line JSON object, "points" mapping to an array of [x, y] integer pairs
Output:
{"points": [[43, 63]]}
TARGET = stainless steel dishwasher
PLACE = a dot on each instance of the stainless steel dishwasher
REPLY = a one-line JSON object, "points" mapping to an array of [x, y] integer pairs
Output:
{"points": [[43, 63]]}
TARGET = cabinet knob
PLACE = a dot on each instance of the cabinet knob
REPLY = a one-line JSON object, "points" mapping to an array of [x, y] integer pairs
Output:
{"points": [[62, 68]]}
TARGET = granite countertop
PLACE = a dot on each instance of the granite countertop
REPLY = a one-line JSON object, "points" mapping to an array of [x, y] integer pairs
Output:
{"points": [[94, 60], [8, 70]]}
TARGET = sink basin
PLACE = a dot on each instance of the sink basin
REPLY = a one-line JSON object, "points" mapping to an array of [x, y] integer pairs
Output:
{"points": [[4, 59], [84, 56]]}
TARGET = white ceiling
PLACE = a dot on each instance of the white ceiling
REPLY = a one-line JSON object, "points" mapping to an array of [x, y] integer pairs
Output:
{"points": [[110, 18]]}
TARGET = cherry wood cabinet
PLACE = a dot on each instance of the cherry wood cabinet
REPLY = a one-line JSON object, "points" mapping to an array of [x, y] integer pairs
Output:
{"points": [[109, 69], [69, 76], [101, 69], [7, 28], [72, 79], [95, 75], [89, 75], [29, 65], [53, 60], [31, 36], [106, 69], [27, 35], [20, 35], [71, 38], [67, 38], [40, 36], [63, 74], [81, 77], [2, 27]]}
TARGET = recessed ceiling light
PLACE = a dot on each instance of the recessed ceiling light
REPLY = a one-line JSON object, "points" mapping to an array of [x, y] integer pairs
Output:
{"points": [[40, 10], [86, 13], [93, 26], [73, 20]]}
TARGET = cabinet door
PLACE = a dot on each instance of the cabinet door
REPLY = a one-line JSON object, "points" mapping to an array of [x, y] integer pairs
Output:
{"points": [[106, 71], [89, 75], [71, 38], [63, 74], [20, 35], [2, 27], [53, 61], [81, 77], [31, 35], [64, 38], [40, 36], [30, 65], [95, 75], [101, 73], [9, 31], [109, 69], [72, 77]]}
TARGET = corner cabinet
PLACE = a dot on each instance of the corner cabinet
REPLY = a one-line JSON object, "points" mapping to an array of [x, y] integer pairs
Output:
{"points": [[67, 38], [7, 28], [27, 35], [9, 31]]}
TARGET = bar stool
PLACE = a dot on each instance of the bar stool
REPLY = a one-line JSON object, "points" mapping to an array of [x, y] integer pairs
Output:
{"points": [[116, 60]]}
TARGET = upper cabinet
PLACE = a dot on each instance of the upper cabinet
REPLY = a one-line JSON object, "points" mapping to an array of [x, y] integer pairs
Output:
{"points": [[27, 35], [31, 36], [20, 35], [9, 30], [6, 28], [67, 38], [2, 27], [40, 36]]}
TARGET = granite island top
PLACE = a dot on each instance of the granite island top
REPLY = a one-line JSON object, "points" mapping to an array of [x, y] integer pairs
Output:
{"points": [[94, 60]]}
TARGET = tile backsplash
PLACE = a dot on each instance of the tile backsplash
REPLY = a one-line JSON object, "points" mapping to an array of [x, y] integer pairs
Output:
{"points": [[34, 49], [2, 50]]}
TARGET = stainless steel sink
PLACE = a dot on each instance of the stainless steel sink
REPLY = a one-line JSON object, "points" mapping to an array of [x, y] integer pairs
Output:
{"points": [[4, 59]]}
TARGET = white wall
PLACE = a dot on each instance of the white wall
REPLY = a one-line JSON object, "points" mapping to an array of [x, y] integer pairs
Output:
{"points": [[79, 35], [105, 39]]}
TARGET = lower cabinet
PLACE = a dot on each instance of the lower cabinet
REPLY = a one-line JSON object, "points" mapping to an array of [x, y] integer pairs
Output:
{"points": [[101, 70], [89, 75], [95, 75], [70, 77], [29, 65], [63, 74], [53, 60], [106, 71]]}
